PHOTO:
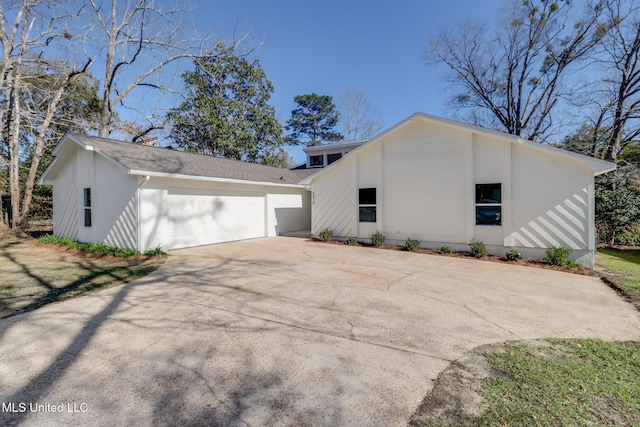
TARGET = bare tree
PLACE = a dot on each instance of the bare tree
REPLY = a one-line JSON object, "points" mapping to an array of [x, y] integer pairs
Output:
{"points": [[24, 97], [140, 38], [359, 119], [512, 80], [620, 77]]}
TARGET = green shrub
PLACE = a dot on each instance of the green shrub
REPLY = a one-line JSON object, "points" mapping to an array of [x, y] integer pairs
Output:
{"points": [[377, 239], [92, 248], [325, 234], [445, 250], [351, 240], [557, 255], [157, 251], [478, 249], [513, 255], [411, 244]]}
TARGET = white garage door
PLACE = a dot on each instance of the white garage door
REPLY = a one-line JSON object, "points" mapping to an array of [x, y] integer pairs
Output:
{"points": [[202, 217]]}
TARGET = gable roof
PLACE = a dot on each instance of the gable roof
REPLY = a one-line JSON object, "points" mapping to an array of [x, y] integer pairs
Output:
{"points": [[598, 166], [136, 159]]}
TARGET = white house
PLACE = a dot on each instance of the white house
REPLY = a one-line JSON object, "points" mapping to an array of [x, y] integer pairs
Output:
{"points": [[427, 178], [445, 183], [135, 196]]}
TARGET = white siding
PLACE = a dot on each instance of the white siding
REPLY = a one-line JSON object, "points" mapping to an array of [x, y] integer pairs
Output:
{"points": [[425, 174], [285, 209], [288, 210], [427, 184], [492, 164], [550, 201], [65, 206], [335, 200], [114, 205]]}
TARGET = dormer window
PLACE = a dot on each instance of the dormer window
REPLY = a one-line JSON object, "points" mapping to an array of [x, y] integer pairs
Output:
{"points": [[333, 158], [315, 161]]}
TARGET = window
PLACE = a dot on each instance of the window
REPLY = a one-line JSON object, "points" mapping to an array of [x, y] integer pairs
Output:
{"points": [[333, 157], [367, 205], [87, 207], [316, 161], [489, 204]]}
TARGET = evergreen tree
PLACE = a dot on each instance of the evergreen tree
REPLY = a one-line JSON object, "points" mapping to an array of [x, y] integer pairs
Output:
{"points": [[226, 111], [313, 121]]}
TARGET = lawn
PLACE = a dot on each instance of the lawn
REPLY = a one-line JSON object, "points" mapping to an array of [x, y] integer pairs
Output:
{"points": [[33, 274], [622, 266]]}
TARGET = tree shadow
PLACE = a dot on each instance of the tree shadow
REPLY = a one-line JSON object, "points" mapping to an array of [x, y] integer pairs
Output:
{"points": [[39, 386], [79, 286]]}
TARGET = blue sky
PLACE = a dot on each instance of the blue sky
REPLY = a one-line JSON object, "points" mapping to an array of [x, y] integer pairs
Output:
{"points": [[331, 46]]}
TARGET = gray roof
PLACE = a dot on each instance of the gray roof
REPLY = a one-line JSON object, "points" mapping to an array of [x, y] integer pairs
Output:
{"points": [[142, 158]]}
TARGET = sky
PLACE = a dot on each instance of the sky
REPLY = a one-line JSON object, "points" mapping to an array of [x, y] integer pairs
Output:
{"points": [[331, 46]]}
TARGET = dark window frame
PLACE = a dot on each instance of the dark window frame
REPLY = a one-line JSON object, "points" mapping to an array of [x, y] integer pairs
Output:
{"points": [[367, 204], [313, 161], [86, 199], [488, 204], [333, 157]]}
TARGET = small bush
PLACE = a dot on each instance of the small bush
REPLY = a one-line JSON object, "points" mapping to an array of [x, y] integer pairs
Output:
{"points": [[411, 244], [445, 250], [351, 240], [157, 251], [478, 249], [557, 255], [513, 255], [93, 248], [377, 239], [325, 234]]}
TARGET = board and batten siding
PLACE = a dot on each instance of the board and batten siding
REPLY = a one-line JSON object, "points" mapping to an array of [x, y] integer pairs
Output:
{"points": [[66, 217], [116, 201], [551, 201], [426, 185], [334, 200], [425, 174]]}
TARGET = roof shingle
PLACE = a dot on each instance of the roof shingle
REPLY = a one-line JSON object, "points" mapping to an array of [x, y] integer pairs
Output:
{"points": [[142, 158]]}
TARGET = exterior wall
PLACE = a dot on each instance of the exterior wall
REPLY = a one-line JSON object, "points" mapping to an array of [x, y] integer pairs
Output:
{"points": [[113, 202], [66, 217], [426, 185], [552, 202], [335, 198], [113, 214], [114, 205], [286, 208], [325, 150], [425, 175]]}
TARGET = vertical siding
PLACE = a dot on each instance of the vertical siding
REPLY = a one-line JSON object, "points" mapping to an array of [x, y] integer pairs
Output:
{"points": [[65, 194], [114, 205], [426, 183], [288, 209], [334, 199], [550, 200], [492, 164]]}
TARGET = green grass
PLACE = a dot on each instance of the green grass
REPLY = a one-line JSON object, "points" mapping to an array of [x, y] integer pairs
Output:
{"points": [[623, 266], [582, 382]]}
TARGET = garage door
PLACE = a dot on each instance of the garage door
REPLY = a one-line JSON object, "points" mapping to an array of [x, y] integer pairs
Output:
{"points": [[201, 217]]}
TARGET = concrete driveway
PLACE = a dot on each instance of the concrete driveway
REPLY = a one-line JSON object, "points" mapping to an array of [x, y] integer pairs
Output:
{"points": [[282, 331]]}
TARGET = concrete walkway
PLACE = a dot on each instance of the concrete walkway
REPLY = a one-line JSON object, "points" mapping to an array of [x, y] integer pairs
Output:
{"points": [[283, 331]]}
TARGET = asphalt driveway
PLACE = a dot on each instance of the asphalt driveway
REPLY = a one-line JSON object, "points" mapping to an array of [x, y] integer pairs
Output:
{"points": [[282, 331]]}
